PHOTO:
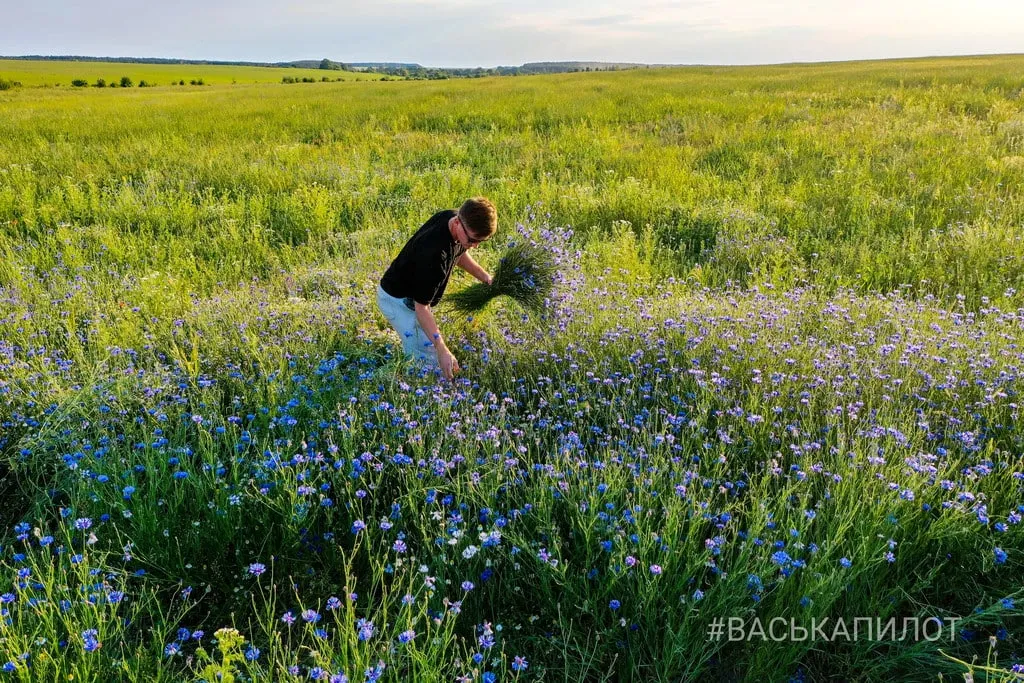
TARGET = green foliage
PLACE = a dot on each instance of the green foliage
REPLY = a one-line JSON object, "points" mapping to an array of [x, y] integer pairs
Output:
{"points": [[80, 83], [332, 66], [126, 82]]}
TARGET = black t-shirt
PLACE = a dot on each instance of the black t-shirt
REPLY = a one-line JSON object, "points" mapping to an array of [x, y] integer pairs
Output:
{"points": [[421, 270]]}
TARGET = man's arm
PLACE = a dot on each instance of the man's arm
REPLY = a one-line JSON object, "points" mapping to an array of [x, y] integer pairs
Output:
{"points": [[449, 365], [467, 263]]}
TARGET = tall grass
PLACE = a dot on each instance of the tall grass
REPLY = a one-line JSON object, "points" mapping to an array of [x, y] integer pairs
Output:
{"points": [[866, 175]]}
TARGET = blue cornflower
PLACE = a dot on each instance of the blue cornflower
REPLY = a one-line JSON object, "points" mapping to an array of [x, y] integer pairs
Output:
{"points": [[90, 642], [365, 629], [374, 674], [1000, 555]]}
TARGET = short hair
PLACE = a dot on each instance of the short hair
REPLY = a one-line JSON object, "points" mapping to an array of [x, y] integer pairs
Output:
{"points": [[479, 216]]}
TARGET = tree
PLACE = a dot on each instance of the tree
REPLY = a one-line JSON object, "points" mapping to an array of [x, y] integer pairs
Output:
{"points": [[80, 83], [101, 83], [126, 82]]}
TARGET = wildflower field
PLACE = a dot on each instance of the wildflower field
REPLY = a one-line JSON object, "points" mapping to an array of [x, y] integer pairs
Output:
{"points": [[778, 381]]}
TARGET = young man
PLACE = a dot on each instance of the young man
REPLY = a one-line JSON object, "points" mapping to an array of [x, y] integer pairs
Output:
{"points": [[417, 278]]}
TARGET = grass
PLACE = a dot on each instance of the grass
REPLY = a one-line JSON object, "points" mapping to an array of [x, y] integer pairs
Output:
{"points": [[742, 175], [43, 73], [778, 379]]}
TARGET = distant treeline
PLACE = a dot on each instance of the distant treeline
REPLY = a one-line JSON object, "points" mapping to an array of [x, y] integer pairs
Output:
{"points": [[414, 71], [141, 60], [397, 69]]}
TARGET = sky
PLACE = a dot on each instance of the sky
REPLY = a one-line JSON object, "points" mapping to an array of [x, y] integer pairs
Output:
{"points": [[487, 33]]}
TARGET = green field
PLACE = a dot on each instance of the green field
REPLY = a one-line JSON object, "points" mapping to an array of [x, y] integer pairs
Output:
{"points": [[873, 176], [779, 381], [60, 74]]}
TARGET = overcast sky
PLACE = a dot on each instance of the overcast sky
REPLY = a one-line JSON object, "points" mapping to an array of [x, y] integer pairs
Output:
{"points": [[465, 33]]}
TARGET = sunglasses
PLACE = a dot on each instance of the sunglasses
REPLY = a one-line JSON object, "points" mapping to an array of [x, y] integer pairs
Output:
{"points": [[469, 240]]}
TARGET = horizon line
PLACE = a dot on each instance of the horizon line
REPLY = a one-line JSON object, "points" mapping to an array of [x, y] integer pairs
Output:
{"points": [[280, 63]]}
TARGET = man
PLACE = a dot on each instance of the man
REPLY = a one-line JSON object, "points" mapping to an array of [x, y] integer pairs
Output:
{"points": [[415, 281]]}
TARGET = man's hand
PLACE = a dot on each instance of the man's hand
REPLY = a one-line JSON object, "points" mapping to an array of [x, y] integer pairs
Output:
{"points": [[488, 279], [449, 364]]}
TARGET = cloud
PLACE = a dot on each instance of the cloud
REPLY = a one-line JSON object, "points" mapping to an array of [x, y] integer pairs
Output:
{"points": [[607, 20], [506, 32]]}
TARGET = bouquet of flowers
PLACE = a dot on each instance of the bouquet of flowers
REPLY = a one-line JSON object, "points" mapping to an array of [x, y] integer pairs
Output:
{"points": [[525, 273]]}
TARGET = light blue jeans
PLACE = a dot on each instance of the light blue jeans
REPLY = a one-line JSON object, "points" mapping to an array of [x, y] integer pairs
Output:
{"points": [[414, 340]]}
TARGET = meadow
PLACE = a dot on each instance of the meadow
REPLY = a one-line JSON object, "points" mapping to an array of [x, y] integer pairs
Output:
{"points": [[779, 379], [57, 74]]}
